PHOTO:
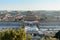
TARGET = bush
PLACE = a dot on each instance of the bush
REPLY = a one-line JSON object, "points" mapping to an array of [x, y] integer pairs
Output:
{"points": [[18, 34], [57, 35]]}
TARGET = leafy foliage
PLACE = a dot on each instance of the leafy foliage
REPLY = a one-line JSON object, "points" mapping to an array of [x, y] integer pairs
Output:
{"points": [[13, 34], [57, 35]]}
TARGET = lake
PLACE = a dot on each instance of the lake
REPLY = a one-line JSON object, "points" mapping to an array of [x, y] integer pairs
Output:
{"points": [[16, 24]]}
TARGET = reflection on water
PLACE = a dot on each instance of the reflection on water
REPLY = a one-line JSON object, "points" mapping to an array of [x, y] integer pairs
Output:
{"points": [[42, 24], [10, 23]]}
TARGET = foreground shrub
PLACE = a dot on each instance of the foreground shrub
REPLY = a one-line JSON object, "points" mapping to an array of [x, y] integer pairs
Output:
{"points": [[13, 34], [57, 35]]}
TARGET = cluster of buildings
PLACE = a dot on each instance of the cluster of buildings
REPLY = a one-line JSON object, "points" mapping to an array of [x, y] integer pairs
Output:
{"points": [[15, 15], [31, 24], [7, 16]]}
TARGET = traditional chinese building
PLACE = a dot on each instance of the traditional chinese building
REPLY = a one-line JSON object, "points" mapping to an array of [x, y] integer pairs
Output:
{"points": [[30, 19], [30, 22]]}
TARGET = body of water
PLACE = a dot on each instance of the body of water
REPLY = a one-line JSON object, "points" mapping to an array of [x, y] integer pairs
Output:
{"points": [[42, 24]]}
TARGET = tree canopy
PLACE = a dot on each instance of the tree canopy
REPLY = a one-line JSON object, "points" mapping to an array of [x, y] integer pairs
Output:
{"points": [[13, 34], [57, 35]]}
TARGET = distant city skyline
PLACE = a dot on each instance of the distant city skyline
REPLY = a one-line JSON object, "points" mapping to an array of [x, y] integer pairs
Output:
{"points": [[29, 4]]}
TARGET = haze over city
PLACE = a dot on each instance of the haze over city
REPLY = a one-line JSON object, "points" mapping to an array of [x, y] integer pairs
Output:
{"points": [[29, 4], [29, 19]]}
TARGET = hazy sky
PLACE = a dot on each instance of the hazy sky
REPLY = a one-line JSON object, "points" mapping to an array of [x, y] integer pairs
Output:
{"points": [[29, 4]]}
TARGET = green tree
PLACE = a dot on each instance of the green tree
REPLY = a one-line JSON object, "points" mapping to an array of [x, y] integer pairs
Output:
{"points": [[57, 35], [8, 35], [29, 36], [13, 34], [20, 34]]}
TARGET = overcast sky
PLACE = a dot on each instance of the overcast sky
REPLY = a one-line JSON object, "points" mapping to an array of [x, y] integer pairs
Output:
{"points": [[29, 4]]}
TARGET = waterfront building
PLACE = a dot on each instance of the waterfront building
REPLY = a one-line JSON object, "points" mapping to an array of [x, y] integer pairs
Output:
{"points": [[18, 17], [8, 17], [30, 18], [30, 22], [50, 27]]}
